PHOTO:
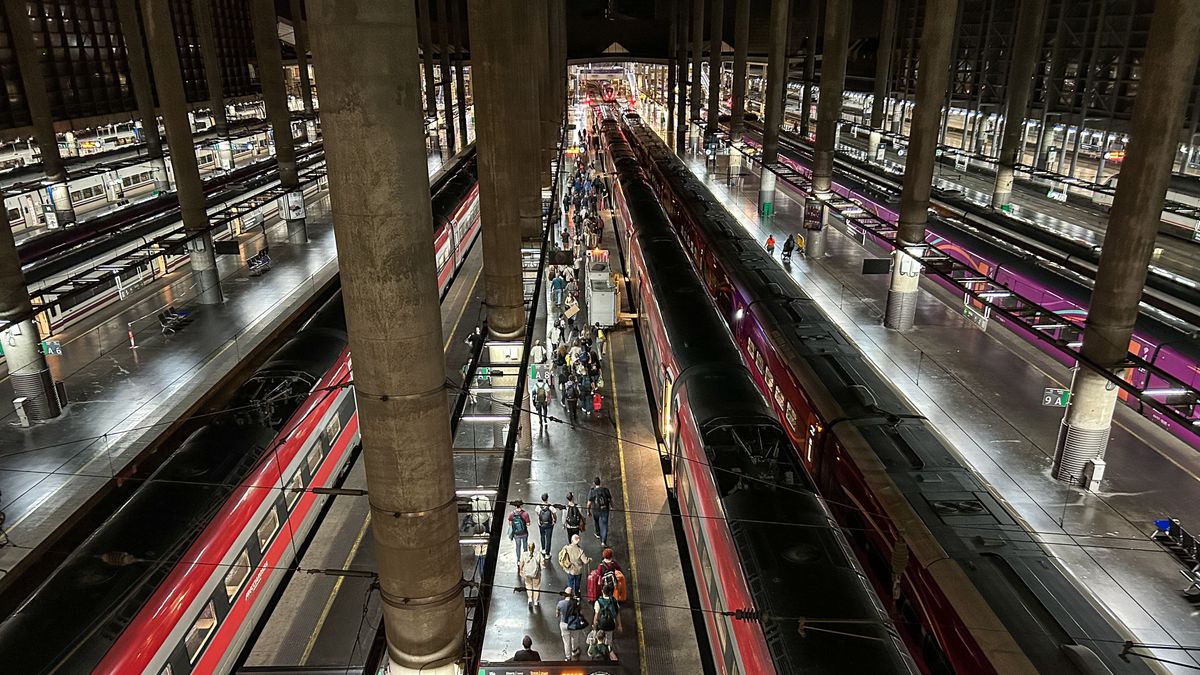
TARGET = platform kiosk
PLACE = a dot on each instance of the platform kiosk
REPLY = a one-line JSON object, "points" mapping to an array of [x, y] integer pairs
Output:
{"points": [[603, 303]]}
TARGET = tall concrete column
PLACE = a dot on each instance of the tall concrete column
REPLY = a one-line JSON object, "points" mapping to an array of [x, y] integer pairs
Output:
{"points": [[937, 36], [883, 75], [270, 76], [540, 51], [29, 61], [835, 47], [1169, 67], [459, 32], [715, 29], [773, 103], [672, 64], [681, 62], [365, 53], [741, 39], [300, 30], [1026, 50], [558, 40], [139, 75], [205, 31], [697, 59], [429, 80], [447, 95], [810, 66], [168, 81], [21, 342], [507, 133]]}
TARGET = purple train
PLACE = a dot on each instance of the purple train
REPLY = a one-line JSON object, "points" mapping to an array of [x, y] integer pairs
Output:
{"points": [[1170, 350]]}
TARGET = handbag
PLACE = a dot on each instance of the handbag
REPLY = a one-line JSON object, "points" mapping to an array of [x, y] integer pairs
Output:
{"points": [[575, 620]]}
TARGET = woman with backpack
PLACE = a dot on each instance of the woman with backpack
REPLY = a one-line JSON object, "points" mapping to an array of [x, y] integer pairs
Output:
{"points": [[573, 517], [547, 518], [518, 522]]}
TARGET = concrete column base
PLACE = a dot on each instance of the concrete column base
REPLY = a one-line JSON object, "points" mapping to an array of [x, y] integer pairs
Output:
{"points": [[205, 277], [297, 231], [393, 668], [814, 243], [766, 193], [30, 375], [1083, 436], [873, 144], [158, 172], [60, 197], [225, 155], [1004, 184], [901, 309]]}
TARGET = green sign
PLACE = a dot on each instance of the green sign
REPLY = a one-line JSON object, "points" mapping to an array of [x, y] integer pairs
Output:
{"points": [[1057, 398]]}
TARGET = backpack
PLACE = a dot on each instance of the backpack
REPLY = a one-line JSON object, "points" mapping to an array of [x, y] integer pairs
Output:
{"points": [[574, 517], [519, 527], [541, 396], [564, 560], [606, 618], [603, 498], [571, 392], [545, 516]]}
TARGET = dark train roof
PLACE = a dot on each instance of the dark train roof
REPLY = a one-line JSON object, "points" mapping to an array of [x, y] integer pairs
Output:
{"points": [[454, 188], [84, 605]]}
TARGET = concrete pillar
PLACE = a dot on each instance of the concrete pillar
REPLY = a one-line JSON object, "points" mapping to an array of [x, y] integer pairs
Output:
{"points": [[715, 29], [810, 66], [168, 82], [139, 75], [741, 39], [459, 31], [833, 81], [447, 95], [429, 81], [883, 76], [507, 129], [540, 52], [1169, 67], [936, 40], [270, 76], [1026, 50], [681, 62], [206, 33], [300, 30], [366, 57], [38, 100], [558, 40], [773, 103], [697, 59], [31, 377], [672, 64]]}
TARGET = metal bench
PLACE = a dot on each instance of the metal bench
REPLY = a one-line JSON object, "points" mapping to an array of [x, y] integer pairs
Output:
{"points": [[1183, 546]]}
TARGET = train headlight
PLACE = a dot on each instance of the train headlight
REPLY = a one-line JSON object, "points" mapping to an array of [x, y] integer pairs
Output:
{"points": [[739, 314]]}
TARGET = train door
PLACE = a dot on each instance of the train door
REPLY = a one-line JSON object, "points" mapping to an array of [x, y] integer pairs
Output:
{"points": [[31, 210], [669, 409]]}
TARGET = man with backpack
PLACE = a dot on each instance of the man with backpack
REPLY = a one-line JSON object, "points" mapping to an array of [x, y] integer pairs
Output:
{"points": [[573, 517], [518, 522], [571, 399], [541, 400], [547, 518], [599, 503], [574, 561], [608, 611]]}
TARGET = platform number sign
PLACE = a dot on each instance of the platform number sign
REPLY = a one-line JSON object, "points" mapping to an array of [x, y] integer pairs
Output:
{"points": [[1056, 398]]}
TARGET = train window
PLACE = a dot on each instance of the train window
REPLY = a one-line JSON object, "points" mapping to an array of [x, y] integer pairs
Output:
{"points": [[758, 361], [14, 215], [295, 488], [770, 380], [267, 530], [314, 460], [198, 635], [237, 575], [332, 430], [779, 399], [750, 347], [790, 416]]}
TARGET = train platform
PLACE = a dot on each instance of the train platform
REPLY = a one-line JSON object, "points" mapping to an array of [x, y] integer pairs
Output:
{"points": [[122, 399], [619, 446], [983, 389]]}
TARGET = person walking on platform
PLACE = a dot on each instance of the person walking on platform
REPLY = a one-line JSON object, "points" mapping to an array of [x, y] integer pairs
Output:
{"points": [[527, 652], [537, 357], [570, 622], [600, 646], [599, 503], [541, 401], [601, 339], [608, 611], [574, 562], [770, 244], [531, 572], [573, 517], [557, 284], [571, 399], [518, 522], [547, 518], [789, 245]]}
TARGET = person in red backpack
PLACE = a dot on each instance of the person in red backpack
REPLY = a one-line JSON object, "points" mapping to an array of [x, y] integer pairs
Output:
{"points": [[611, 575]]}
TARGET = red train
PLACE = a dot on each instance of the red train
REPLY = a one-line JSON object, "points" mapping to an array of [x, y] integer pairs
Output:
{"points": [[178, 578], [970, 589], [761, 543]]}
